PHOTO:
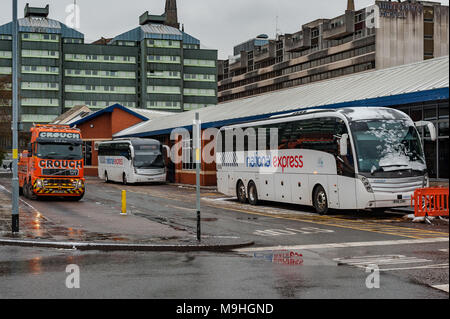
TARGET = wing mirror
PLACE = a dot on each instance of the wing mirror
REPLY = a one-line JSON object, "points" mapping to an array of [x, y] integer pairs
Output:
{"points": [[431, 128], [343, 145]]}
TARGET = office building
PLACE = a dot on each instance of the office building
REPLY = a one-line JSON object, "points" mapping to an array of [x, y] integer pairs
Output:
{"points": [[384, 35], [155, 66]]}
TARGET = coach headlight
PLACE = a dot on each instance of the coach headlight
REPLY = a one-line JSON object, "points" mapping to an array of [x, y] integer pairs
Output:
{"points": [[366, 183], [426, 180]]}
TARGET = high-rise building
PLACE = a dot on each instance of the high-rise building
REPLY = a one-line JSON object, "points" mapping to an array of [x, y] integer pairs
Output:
{"points": [[380, 36], [154, 66]]}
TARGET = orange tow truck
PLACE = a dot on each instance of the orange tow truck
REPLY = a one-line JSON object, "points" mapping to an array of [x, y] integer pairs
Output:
{"points": [[53, 165]]}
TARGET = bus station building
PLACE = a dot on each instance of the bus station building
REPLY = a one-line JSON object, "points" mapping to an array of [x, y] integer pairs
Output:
{"points": [[420, 89]]}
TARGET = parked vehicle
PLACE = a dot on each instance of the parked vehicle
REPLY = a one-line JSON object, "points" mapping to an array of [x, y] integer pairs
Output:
{"points": [[53, 164], [7, 161], [131, 161], [352, 158]]}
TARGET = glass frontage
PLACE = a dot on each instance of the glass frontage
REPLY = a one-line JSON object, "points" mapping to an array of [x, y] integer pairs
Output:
{"points": [[436, 153]]}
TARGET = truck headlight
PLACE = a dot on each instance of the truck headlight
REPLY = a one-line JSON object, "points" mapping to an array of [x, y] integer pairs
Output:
{"points": [[79, 184], [39, 183], [426, 180], [366, 183]]}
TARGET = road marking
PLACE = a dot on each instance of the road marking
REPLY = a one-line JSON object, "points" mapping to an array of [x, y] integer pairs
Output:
{"points": [[442, 287], [291, 231], [438, 266], [444, 250], [20, 199], [360, 225], [333, 221], [348, 245], [379, 260]]}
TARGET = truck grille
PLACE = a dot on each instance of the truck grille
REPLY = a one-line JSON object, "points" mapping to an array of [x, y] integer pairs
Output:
{"points": [[396, 185], [59, 172]]}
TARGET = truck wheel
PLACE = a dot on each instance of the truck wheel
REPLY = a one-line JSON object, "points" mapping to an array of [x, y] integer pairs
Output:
{"points": [[252, 194], [240, 192], [320, 200], [31, 195], [25, 190]]}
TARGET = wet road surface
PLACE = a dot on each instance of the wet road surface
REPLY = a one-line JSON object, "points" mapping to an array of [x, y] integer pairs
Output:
{"points": [[26, 272], [406, 270]]}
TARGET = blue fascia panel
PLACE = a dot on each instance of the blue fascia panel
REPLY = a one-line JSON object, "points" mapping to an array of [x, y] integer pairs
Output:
{"points": [[6, 29], [188, 39], [385, 101]]}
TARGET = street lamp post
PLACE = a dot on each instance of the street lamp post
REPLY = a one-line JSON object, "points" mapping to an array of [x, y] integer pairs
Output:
{"points": [[197, 143], [15, 116]]}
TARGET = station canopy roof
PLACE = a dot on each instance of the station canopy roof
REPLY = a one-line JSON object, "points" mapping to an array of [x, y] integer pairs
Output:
{"points": [[410, 83]]}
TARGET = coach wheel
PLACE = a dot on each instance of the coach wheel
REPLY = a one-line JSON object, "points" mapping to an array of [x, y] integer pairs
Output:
{"points": [[124, 179], [320, 200], [106, 177], [240, 192], [252, 194]]}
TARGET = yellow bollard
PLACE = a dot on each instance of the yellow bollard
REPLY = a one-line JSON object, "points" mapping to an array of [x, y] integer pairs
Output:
{"points": [[124, 203]]}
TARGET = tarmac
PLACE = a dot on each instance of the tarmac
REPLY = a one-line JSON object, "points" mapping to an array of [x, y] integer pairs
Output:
{"points": [[101, 230]]}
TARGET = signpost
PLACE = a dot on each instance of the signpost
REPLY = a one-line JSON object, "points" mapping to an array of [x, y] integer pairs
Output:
{"points": [[197, 145], [15, 118]]}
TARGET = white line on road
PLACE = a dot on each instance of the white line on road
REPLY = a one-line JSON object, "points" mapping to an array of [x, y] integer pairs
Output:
{"points": [[442, 287], [20, 199], [438, 266], [348, 245], [380, 260], [444, 250]]}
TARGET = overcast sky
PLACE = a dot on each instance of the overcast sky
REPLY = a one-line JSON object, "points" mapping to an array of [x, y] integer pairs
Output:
{"points": [[218, 24]]}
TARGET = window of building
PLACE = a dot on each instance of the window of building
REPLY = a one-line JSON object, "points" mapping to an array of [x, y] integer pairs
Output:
{"points": [[164, 89]]}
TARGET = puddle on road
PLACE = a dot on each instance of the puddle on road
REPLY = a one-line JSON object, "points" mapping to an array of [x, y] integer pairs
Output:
{"points": [[35, 226]]}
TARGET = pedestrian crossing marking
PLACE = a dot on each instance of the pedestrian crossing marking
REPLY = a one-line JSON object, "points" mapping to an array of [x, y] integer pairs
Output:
{"points": [[392, 260], [334, 221]]}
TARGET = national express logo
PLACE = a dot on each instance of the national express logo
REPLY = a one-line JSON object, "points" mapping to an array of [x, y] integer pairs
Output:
{"points": [[112, 161], [276, 161]]}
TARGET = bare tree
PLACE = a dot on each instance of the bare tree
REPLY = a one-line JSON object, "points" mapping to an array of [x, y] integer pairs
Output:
{"points": [[5, 111]]}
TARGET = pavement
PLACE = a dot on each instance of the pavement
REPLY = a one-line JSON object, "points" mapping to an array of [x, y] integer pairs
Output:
{"points": [[96, 227]]}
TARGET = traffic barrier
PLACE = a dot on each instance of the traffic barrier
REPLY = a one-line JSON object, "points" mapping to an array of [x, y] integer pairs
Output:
{"points": [[431, 201]]}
